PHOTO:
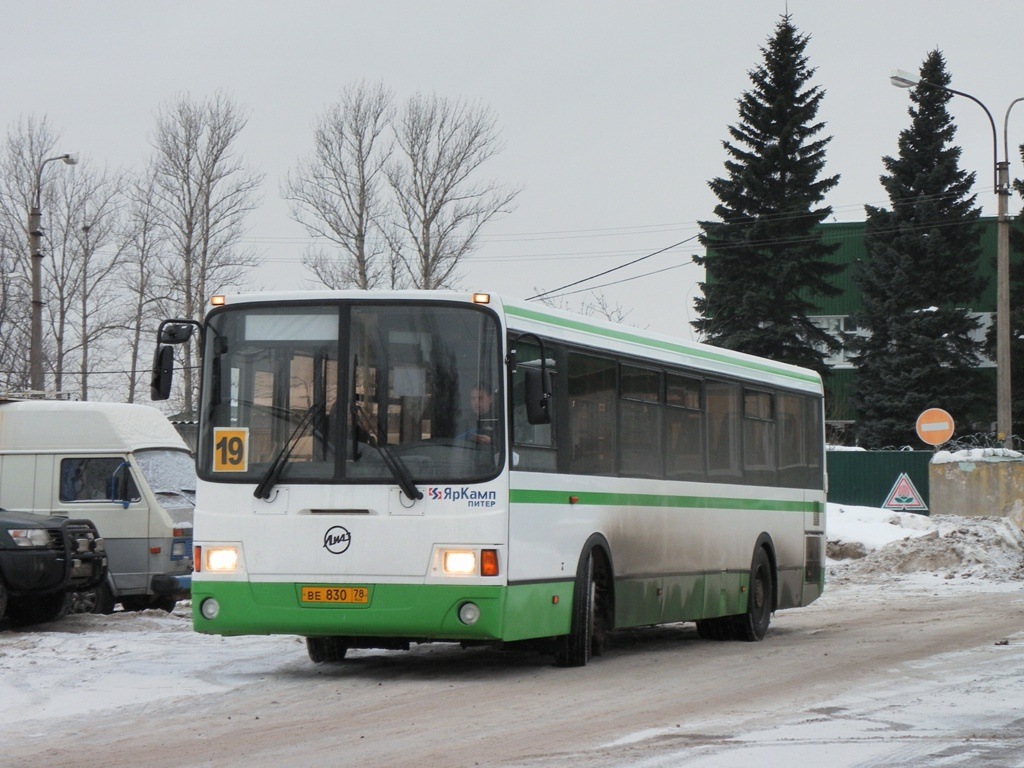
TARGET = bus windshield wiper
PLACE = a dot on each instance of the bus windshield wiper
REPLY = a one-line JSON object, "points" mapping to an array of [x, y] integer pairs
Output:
{"points": [[273, 473], [394, 464]]}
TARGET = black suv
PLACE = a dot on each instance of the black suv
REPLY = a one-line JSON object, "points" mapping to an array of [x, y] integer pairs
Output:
{"points": [[43, 558]]}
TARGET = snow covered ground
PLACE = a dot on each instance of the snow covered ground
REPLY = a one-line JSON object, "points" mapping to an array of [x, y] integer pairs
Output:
{"points": [[87, 665]]}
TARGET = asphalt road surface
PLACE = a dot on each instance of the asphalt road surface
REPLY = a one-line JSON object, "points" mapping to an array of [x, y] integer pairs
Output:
{"points": [[658, 697]]}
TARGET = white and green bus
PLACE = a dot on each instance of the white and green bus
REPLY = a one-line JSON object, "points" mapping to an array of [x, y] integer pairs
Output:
{"points": [[380, 469]]}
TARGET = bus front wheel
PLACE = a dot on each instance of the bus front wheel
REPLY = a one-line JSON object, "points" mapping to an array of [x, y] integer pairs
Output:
{"points": [[326, 649], [590, 615]]}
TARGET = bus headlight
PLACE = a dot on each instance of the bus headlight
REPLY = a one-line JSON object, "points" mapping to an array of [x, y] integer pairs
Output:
{"points": [[221, 559], [459, 562]]}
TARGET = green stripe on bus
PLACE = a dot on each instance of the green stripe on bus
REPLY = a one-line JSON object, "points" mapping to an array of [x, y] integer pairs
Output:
{"points": [[665, 346], [527, 496]]}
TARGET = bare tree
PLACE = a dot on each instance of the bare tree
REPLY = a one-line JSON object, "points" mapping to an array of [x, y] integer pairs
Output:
{"points": [[595, 306], [14, 323], [205, 191], [337, 193], [144, 249], [441, 207], [81, 275], [27, 144]]}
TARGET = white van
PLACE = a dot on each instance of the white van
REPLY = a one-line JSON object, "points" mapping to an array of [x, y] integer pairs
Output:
{"points": [[120, 465]]}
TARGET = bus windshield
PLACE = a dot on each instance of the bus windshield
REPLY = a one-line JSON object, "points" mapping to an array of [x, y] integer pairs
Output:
{"points": [[352, 392]]}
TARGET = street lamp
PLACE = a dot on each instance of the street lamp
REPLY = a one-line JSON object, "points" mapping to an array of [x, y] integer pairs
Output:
{"points": [[35, 235], [1004, 417]]}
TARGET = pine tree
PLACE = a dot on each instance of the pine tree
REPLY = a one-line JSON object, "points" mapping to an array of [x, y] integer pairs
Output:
{"points": [[765, 262], [918, 279]]}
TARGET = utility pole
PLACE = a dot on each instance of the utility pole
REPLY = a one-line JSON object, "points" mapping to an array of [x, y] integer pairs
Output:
{"points": [[35, 250]]}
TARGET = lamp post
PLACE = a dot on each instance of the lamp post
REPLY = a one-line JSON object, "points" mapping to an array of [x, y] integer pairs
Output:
{"points": [[35, 235], [1001, 180]]}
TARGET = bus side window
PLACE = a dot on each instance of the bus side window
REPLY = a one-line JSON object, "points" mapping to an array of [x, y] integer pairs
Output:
{"points": [[758, 437], [640, 419], [814, 440], [592, 398], [684, 429], [534, 446], [724, 412], [792, 451]]}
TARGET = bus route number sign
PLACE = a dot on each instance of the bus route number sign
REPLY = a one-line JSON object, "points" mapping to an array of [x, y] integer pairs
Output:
{"points": [[336, 595], [230, 449]]}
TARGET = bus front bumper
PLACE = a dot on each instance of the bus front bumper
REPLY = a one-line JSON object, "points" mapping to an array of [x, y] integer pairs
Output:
{"points": [[417, 612]]}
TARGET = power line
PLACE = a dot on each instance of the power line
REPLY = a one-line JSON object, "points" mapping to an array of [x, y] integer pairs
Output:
{"points": [[616, 282], [613, 269]]}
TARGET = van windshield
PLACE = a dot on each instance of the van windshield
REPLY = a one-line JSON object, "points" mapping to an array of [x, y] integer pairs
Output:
{"points": [[171, 475]]}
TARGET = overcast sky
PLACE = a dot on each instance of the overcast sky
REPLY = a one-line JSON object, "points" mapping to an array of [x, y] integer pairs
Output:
{"points": [[612, 114]]}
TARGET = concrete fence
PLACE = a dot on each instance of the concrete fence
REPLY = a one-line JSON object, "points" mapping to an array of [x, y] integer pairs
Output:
{"points": [[986, 482]]}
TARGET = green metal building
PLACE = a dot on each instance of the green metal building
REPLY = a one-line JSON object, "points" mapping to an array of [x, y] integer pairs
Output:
{"points": [[839, 313]]}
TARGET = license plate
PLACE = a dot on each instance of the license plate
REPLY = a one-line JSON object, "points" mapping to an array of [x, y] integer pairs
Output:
{"points": [[336, 595]]}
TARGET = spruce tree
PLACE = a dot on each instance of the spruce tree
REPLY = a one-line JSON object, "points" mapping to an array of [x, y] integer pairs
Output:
{"points": [[765, 261], [919, 278]]}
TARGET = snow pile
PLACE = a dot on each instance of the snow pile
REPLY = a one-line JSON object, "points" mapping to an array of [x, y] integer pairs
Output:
{"points": [[872, 545], [976, 455]]}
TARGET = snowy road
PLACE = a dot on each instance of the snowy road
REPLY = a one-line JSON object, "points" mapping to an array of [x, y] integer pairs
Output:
{"points": [[923, 670]]}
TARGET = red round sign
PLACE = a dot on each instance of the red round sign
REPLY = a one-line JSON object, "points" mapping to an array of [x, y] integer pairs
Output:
{"points": [[935, 426]]}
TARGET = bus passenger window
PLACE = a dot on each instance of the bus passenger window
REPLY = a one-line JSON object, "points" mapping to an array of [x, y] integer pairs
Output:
{"points": [[640, 421], [792, 451], [592, 401], [534, 444], [684, 428], [758, 438], [724, 409]]}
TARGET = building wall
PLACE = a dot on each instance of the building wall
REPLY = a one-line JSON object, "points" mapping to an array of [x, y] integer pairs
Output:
{"points": [[838, 313]]}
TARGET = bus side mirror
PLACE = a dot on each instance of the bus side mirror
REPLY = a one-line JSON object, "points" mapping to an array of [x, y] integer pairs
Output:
{"points": [[163, 373], [174, 333], [538, 396]]}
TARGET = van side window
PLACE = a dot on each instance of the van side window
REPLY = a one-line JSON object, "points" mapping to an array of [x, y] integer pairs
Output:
{"points": [[97, 479]]}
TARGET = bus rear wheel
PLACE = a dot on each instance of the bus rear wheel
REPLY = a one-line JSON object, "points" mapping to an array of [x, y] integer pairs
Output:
{"points": [[328, 650], [715, 629]]}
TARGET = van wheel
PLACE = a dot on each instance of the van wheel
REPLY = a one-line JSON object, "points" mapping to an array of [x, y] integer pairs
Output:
{"points": [[164, 604], [134, 603]]}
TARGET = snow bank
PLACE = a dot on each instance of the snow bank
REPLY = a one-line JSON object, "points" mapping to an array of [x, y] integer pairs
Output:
{"points": [[976, 455], [871, 545]]}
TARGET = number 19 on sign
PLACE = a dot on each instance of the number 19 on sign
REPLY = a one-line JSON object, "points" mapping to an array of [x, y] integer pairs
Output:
{"points": [[230, 449]]}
